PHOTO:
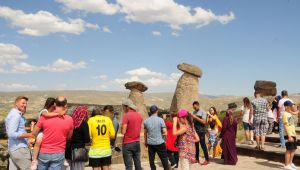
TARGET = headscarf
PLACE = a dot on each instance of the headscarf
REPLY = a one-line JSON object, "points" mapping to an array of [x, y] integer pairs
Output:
{"points": [[79, 114]]}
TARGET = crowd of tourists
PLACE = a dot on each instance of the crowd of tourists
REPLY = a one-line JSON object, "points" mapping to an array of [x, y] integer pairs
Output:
{"points": [[58, 140]]}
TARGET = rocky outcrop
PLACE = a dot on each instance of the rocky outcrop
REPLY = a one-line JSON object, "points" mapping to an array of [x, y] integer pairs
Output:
{"points": [[266, 88], [136, 95], [187, 90]]}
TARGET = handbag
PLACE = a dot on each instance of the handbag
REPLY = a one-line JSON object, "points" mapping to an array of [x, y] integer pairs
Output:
{"points": [[80, 155]]}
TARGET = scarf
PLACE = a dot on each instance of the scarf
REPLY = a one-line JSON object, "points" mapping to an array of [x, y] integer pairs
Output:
{"points": [[79, 114]]}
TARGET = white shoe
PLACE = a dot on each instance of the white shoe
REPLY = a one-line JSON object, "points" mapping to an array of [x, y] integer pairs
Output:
{"points": [[34, 165], [288, 167], [293, 166]]}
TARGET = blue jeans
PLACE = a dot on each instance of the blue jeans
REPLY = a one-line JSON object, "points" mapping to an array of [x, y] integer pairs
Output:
{"points": [[132, 151], [281, 133], [51, 161]]}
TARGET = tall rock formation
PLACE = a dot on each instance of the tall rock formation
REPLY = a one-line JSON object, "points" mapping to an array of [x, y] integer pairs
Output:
{"points": [[187, 90], [136, 95]]}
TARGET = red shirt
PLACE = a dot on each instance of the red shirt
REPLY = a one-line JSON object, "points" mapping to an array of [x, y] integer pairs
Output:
{"points": [[133, 120], [55, 132], [170, 137]]}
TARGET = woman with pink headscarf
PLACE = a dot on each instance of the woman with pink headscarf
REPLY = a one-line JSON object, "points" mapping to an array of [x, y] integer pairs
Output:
{"points": [[80, 135]]}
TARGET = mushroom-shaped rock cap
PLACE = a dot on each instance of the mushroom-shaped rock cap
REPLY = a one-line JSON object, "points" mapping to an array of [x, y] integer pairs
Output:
{"points": [[136, 85], [191, 69]]}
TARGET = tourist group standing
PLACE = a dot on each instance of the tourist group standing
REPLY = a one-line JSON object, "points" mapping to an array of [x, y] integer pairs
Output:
{"points": [[60, 140]]}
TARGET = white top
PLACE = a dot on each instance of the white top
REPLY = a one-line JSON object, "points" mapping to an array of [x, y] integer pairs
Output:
{"points": [[281, 105], [246, 114], [270, 114]]}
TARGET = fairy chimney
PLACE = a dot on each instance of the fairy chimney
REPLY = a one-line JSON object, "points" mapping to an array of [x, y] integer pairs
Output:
{"points": [[136, 95], [187, 90], [266, 88]]}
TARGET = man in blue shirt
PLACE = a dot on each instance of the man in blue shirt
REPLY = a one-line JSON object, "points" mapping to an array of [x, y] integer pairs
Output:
{"points": [[154, 129], [20, 157]]}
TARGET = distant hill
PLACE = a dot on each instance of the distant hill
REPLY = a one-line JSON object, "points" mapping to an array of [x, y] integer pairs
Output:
{"points": [[163, 100]]}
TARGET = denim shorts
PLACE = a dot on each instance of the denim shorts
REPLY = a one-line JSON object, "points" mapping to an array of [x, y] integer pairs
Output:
{"points": [[247, 126], [51, 161]]}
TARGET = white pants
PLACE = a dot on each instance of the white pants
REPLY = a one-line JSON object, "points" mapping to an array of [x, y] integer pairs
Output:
{"points": [[184, 164]]}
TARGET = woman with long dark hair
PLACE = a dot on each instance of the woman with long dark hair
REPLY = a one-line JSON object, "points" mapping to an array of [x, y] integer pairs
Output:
{"points": [[248, 127]]}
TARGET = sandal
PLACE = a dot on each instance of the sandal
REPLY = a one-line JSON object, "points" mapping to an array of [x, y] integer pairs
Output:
{"points": [[257, 148]]}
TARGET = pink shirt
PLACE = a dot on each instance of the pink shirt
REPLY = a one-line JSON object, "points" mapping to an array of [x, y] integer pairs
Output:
{"points": [[55, 130], [133, 120]]}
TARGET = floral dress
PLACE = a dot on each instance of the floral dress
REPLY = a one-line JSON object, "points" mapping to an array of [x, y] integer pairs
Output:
{"points": [[186, 144]]}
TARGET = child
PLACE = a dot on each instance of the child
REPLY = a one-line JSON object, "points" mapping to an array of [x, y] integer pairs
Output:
{"points": [[270, 120], [187, 138], [290, 132], [172, 150], [32, 140], [212, 141], [47, 112]]}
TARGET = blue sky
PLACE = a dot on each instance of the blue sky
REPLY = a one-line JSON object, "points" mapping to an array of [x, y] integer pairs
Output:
{"points": [[100, 44]]}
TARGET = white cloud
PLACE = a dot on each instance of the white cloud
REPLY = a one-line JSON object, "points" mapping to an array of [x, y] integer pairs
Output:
{"points": [[24, 68], [143, 72], [122, 81], [43, 22], [106, 29], [92, 26], [10, 54], [93, 6], [101, 77], [13, 60], [16, 87], [61, 65], [156, 33], [175, 34], [168, 11], [150, 78]]}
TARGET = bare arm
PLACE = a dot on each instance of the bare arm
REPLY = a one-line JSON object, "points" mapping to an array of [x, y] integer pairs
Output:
{"points": [[250, 115], [176, 132], [124, 129], [50, 114], [164, 130], [35, 131], [145, 137], [70, 134], [199, 120]]}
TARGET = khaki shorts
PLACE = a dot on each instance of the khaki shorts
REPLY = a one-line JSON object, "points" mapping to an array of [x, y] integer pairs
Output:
{"points": [[19, 159]]}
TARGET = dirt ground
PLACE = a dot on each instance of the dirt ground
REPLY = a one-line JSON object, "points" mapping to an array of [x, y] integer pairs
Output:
{"points": [[244, 163]]}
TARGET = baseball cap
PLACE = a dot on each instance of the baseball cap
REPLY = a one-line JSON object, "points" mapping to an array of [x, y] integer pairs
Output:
{"points": [[153, 109], [288, 103], [182, 113]]}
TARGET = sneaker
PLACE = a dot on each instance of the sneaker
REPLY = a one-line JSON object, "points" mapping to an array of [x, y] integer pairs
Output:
{"points": [[173, 166], [205, 163], [293, 166], [34, 164], [195, 161], [288, 167]]}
